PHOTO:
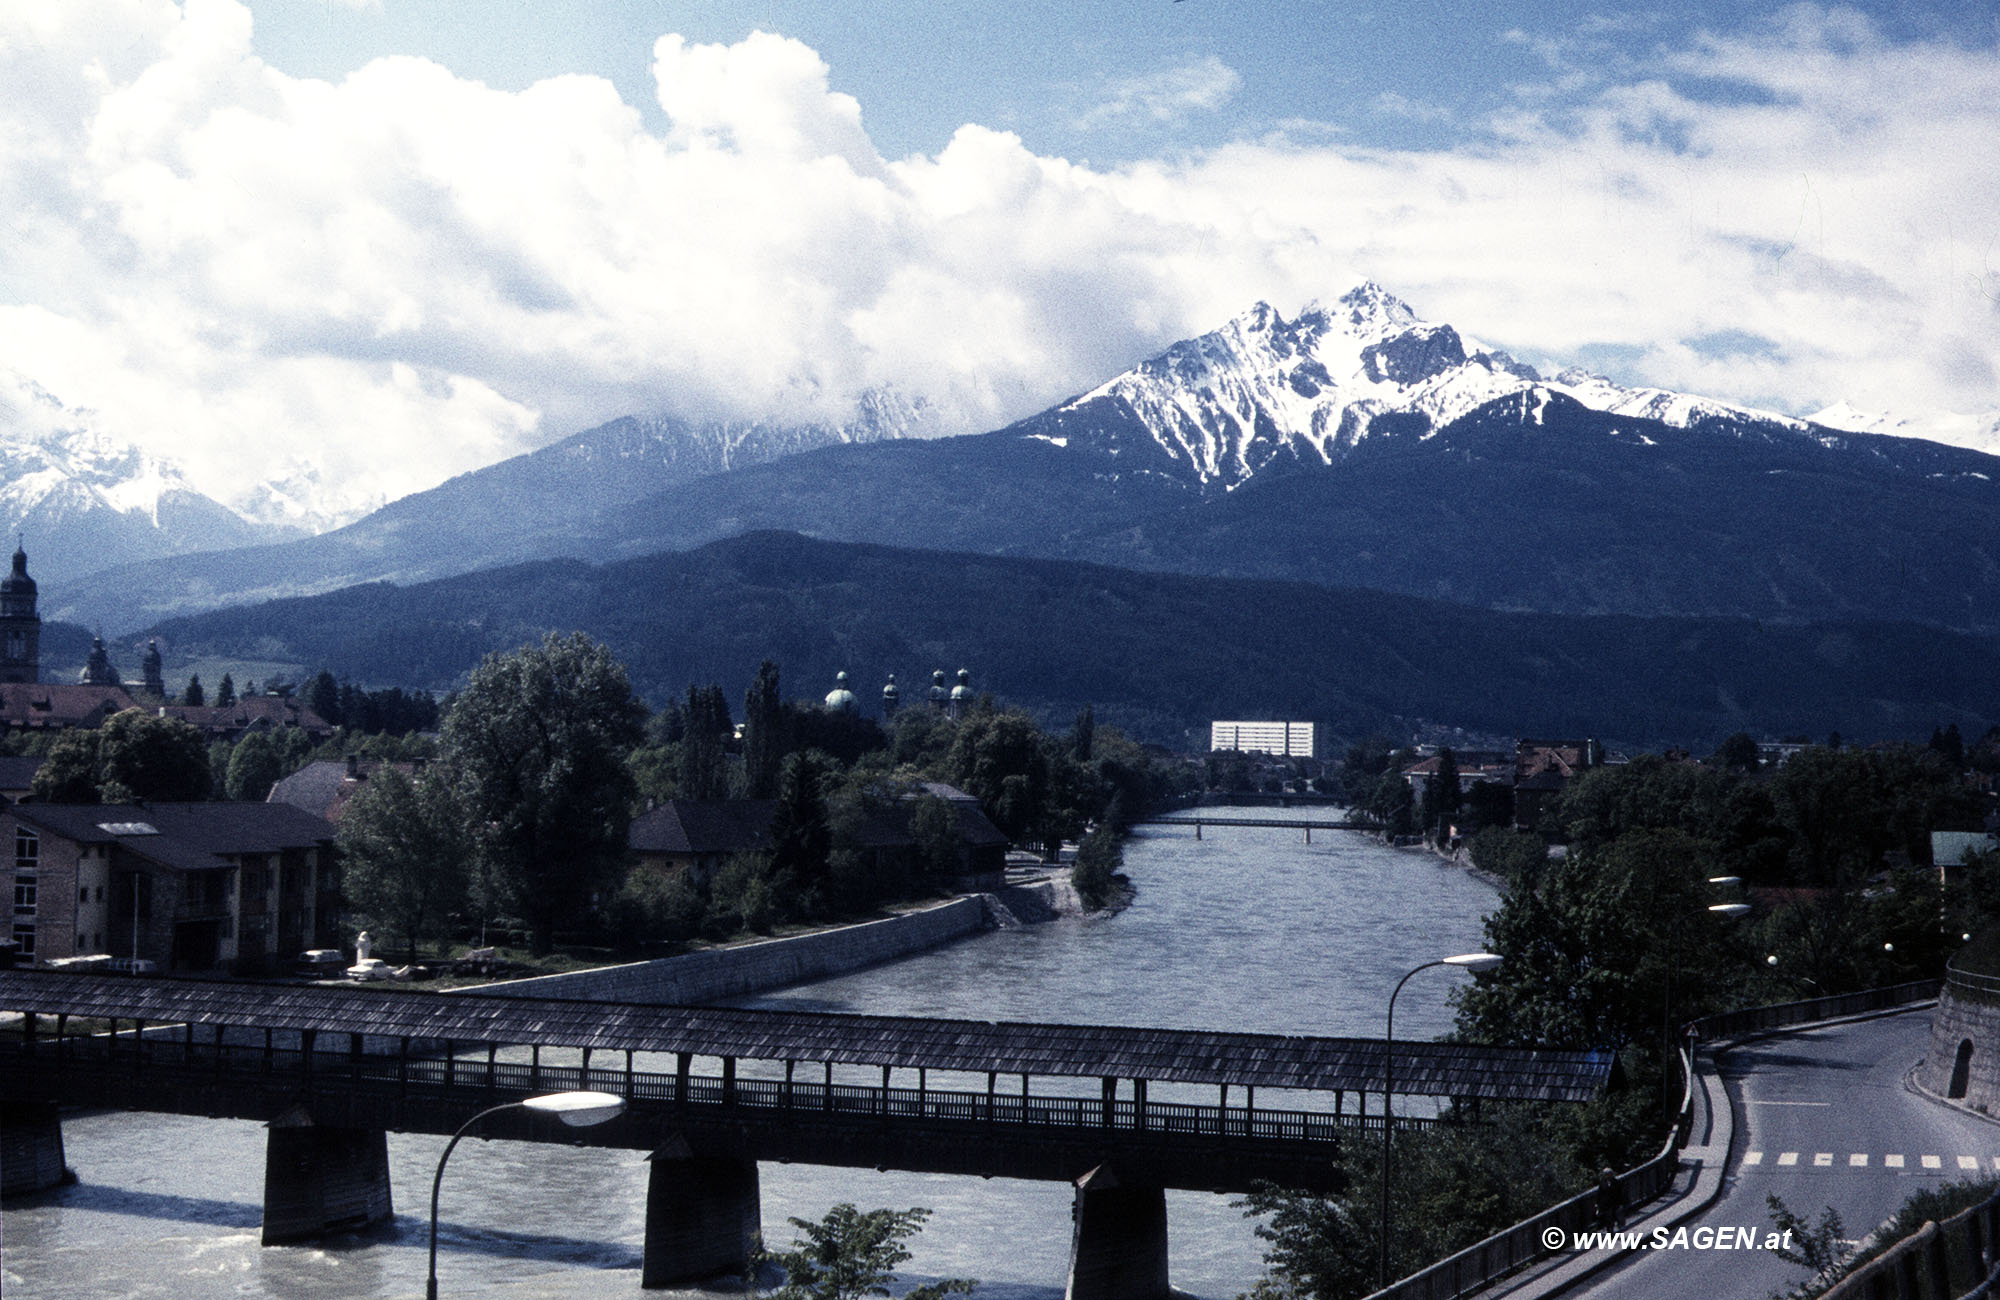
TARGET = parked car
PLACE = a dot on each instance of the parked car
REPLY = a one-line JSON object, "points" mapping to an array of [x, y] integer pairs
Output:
{"points": [[322, 963], [135, 966]]}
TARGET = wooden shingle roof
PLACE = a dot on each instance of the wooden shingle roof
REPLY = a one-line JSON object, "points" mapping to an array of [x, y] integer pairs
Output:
{"points": [[1009, 1047]]}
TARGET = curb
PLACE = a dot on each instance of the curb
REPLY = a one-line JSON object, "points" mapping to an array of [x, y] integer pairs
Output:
{"points": [[1705, 1189]]}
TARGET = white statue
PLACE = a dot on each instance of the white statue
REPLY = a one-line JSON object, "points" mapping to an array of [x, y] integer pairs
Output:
{"points": [[364, 945]]}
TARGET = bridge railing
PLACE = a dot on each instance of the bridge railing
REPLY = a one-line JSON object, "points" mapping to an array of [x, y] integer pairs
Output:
{"points": [[1485, 1262], [171, 1057]]}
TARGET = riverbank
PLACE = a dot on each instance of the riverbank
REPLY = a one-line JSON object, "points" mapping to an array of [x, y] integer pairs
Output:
{"points": [[718, 974]]}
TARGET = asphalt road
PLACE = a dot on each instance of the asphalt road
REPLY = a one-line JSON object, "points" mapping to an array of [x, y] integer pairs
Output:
{"points": [[1822, 1119]]}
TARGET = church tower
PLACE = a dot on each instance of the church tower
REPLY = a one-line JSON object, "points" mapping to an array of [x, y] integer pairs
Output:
{"points": [[20, 625], [151, 680], [98, 671]]}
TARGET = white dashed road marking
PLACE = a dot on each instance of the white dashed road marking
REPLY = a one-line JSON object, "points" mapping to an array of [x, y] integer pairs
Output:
{"points": [[1859, 1160], [1893, 1162], [1932, 1162], [1789, 1158]]}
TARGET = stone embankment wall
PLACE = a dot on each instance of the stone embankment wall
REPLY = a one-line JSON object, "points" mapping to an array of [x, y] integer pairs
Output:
{"points": [[719, 973], [1964, 1018]]}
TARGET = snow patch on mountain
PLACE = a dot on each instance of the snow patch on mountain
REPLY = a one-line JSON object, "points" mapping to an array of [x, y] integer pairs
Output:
{"points": [[1979, 431], [1262, 389]]}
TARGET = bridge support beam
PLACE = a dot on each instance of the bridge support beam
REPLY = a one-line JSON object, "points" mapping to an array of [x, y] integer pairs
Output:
{"points": [[321, 1180], [1118, 1249], [702, 1217], [31, 1148]]}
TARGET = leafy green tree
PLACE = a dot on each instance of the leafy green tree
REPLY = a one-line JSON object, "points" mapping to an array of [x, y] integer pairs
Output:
{"points": [[225, 694], [801, 836], [934, 826], [194, 696], [144, 756], [997, 757], [535, 748], [254, 766], [406, 855], [704, 774], [1083, 734], [1097, 862], [849, 1254], [1442, 795], [763, 733], [1514, 856], [70, 771], [1738, 753]]}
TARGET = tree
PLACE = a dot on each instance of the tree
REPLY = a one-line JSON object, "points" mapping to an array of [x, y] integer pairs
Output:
{"points": [[849, 1254], [535, 750], [1083, 734], [704, 760], [405, 854], [225, 694], [194, 696], [322, 696], [144, 756], [1441, 798], [801, 836], [1738, 753], [69, 774], [763, 733], [254, 766]]}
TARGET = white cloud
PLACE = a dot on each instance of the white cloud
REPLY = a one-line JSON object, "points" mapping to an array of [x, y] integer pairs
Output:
{"points": [[1199, 86], [409, 274]]}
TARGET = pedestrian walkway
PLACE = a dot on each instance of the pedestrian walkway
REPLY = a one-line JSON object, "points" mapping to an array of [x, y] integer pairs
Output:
{"points": [[1892, 1162]]}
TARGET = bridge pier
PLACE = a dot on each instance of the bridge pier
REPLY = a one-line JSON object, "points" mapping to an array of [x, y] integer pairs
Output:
{"points": [[1118, 1249], [702, 1217], [31, 1148], [320, 1180]]}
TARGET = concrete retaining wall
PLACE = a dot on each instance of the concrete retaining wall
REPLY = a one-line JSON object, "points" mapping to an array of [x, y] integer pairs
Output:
{"points": [[1960, 1019], [719, 973]]}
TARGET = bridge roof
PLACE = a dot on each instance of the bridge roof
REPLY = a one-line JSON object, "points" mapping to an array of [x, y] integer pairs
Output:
{"points": [[1009, 1047]]}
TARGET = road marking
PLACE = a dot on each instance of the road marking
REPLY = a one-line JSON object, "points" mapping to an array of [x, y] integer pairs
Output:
{"points": [[1823, 1159], [1789, 1158], [1754, 1102], [1757, 1158], [1893, 1162], [1968, 1162], [1932, 1162], [1859, 1160]]}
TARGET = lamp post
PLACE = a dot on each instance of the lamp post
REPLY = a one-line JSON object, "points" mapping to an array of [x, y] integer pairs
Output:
{"points": [[577, 1109], [1472, 961]]}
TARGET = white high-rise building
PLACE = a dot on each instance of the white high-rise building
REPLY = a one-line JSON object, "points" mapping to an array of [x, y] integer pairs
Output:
{"points": [[1285, 739]]}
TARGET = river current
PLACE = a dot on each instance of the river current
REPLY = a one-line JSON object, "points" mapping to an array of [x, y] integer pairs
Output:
{"points": [[1245, 929]]}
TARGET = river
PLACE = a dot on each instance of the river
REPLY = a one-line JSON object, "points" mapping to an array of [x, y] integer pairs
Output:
{"points": [[1245, 929]]}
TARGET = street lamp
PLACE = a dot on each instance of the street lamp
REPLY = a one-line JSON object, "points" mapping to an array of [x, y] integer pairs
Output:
{"points": [[577, 1109], [1472, 961]]}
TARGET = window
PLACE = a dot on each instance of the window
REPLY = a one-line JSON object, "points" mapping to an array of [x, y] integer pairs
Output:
{"points": [[27, 849], [24, 938], [83, 893], [24, 894]]}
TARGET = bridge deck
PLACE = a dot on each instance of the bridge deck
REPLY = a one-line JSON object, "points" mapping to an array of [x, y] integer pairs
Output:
{"points": [[1076, 1051]]}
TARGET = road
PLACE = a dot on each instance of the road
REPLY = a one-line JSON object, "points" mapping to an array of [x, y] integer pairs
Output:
{"points": [[1822, 1119]]}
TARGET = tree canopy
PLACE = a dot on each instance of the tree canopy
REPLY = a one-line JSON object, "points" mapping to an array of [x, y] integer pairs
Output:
{"points": [[535, 750]]}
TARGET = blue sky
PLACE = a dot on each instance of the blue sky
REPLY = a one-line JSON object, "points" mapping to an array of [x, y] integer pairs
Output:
{"points": [[364, 244]]}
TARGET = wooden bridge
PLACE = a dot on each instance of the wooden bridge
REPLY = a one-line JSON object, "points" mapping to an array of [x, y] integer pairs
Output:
{"points": [[331, 1070]]}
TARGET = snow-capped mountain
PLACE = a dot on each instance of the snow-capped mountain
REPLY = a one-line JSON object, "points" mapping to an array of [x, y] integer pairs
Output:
{"points": [[83, 500], [1264, 390], [1979, 432]]}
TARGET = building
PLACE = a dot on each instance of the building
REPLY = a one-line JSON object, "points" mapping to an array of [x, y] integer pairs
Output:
{"points": [[1543, 769], [1283, 739], [20, 625], [1475, 766], [251, 713], [237, 887], [324, 786]]}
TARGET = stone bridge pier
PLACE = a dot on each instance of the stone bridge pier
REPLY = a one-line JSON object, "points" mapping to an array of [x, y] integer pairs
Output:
{"points": [[321, 1179], [1118, 1244]]}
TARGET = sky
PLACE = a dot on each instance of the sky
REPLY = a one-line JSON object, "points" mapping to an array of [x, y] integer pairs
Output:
{"points": [[362, 245]]}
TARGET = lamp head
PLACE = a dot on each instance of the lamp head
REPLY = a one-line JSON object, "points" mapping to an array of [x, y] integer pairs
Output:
{"points": [[1729, 909], [578, 1109], [1475, 962]]}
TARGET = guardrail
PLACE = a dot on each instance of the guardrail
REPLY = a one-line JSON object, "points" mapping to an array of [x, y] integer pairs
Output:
{"points": [[1972, 981], [1953, 1260], [1485, 1262]]}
